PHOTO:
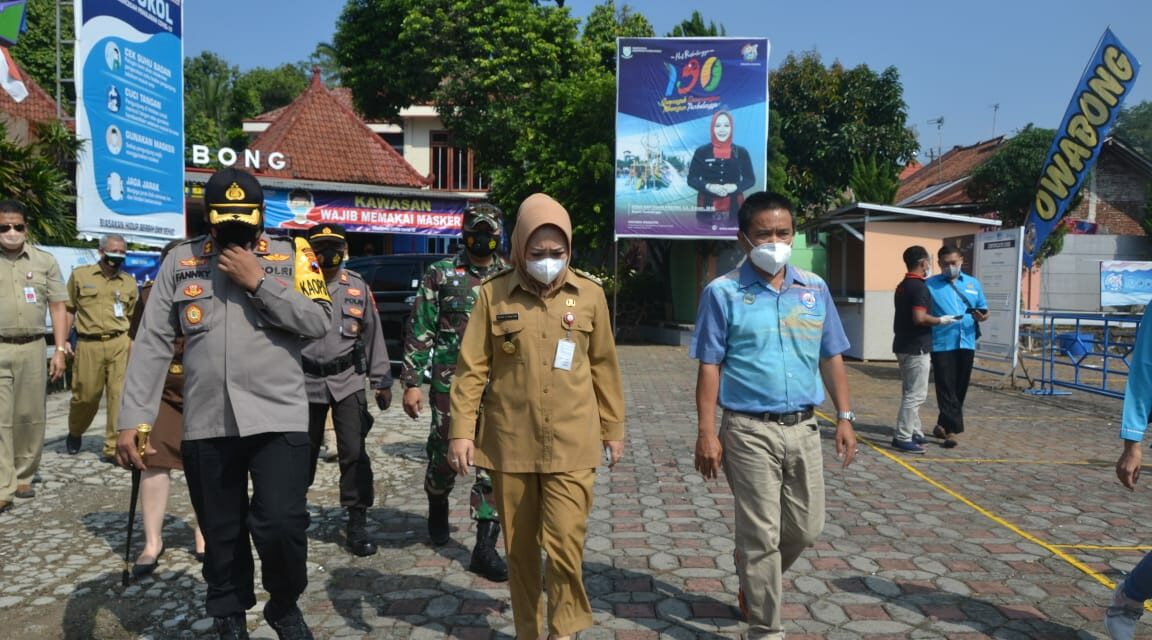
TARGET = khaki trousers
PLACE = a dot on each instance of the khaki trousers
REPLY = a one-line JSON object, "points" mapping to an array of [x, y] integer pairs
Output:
{"points": [[23, 386], [776, 474], [99, 365], [546, 512]]}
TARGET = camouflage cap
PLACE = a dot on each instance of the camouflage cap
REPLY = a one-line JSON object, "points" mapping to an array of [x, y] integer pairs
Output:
{"points": [[483, 214]]}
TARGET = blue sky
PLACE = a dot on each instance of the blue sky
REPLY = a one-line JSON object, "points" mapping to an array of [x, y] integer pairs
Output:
{"points": [[956, 60]]}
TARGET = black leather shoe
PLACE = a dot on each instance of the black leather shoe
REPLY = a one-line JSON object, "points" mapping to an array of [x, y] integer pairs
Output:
{"points": [[290, 625], [438, 529], [485, 561], [139, 569], [232, 627], [72, 445], [357, 533]]}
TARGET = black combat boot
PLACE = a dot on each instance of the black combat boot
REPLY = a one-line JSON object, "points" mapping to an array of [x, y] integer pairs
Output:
{"points": [[287, 622], [485, 561], [438, 520], [357, 533], [233, 627]]}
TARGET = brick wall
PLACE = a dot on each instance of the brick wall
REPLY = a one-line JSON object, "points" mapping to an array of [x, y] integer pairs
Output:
{"points": [[1121, 192]]}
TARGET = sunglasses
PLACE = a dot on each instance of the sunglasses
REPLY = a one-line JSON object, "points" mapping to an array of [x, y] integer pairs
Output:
{"points": [[5, 228]]}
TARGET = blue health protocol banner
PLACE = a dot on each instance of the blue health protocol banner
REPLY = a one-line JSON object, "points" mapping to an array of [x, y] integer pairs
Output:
{"points": [[130, 113], [691, 134], [1124, 282], [1109, 77], [364, 213]]}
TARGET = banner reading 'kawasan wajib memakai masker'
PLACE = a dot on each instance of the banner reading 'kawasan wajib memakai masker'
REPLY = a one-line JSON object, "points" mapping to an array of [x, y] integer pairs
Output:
{"points": [[1108, 78], [691, 134]]}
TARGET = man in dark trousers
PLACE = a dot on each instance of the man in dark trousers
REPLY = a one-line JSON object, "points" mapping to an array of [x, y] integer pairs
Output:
{"points": [[334, 368], [242, 301]]}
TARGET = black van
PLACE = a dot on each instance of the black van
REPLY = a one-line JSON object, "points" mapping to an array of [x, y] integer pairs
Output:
{"points": [[394, 280]]}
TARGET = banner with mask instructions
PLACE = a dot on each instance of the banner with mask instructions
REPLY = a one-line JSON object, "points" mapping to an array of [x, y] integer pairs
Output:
{"points": [[691, 134], [130, 109], [363, 213]]}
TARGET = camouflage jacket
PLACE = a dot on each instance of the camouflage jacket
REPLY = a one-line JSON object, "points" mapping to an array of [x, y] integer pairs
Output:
{"points": [[440, 314]]}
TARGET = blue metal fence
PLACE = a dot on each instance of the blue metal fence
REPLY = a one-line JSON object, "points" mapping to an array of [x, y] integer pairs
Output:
{"points": [[1083, 351]]}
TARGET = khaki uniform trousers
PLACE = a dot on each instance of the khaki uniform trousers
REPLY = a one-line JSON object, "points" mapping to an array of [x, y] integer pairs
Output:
{"points": [[98, 365], [546, 512], [776, 474], [23, 386]]}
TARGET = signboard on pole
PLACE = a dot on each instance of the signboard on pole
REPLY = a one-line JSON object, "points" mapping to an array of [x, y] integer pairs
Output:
{"points": [[1108, 78], [130, 114], [1125, 282], [998, 265], [691, 134], [408, 214]]}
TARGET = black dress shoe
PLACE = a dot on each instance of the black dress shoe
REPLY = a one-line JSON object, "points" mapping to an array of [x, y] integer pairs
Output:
{"points": [[72, 445], [289, 625], [232, 627], [139, 569]]}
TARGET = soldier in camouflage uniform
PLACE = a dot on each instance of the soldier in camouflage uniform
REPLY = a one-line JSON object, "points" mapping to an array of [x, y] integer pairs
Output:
{"points": [[439, 315]]}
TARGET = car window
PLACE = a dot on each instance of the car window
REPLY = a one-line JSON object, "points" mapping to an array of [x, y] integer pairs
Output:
{"points": [[395, 277]]}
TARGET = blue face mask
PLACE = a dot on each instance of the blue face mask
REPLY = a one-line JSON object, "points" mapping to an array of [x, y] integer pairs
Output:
{"points": [[951, 271]]}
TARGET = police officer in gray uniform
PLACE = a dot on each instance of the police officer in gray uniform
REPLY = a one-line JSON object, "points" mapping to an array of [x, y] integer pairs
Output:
{"points": [[334, 369], [242, 301]]}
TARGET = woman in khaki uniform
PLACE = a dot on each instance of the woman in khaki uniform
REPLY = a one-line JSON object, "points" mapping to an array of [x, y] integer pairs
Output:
{"points": [[540, 339]]}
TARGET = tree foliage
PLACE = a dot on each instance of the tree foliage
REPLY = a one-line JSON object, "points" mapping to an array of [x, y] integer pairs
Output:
{"points": [[832, 115], [873, 181], [1134, 126], [36, 51], [37, 176], [694, 27]]}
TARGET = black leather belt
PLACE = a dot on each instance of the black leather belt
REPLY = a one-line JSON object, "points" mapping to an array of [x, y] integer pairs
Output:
{"points": [[786, 419], [20, 339], [325, 369], [100, 337]]}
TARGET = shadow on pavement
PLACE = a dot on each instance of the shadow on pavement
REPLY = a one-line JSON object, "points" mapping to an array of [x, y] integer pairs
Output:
{"points": [[648, 601], [983, 617], [102, 608]]}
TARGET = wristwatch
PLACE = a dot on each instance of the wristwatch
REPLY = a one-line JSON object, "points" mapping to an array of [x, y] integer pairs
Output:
{"points": [[850, 416]]}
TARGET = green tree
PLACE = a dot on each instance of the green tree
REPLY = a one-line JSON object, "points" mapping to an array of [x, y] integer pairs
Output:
{"points": [[259, 91], [1134, 126], [605, 23], [208, 84], [694, 27], [37, 176], [324, 57], [1007, 182], [831, 115], [36, 51], [873, 181]]}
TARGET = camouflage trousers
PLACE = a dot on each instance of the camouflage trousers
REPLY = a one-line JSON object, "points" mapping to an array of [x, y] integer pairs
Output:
{"points": [[439, 478]]}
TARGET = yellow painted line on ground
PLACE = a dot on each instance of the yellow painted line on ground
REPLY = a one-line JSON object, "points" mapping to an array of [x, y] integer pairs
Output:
{"points": [[1054, 550], [1011, 461], [1102, 547]]}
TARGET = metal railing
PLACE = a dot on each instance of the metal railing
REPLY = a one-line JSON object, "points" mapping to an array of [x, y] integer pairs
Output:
{"points": [[1083, 351]]}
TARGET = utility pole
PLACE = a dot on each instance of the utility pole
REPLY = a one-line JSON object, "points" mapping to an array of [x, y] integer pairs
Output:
{"points": [[995, 108], [939, 122], [61, 78]]}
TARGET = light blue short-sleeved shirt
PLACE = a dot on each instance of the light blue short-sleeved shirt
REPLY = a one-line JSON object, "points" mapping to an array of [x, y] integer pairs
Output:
{"points": [[946, 302], [1138, 391], [769, 344]]}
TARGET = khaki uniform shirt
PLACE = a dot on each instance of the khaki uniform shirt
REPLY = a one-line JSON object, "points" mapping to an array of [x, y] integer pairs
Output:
{"points": [[354, 316], [28, 283], [538, 418], [94, 297], [241, 350]]}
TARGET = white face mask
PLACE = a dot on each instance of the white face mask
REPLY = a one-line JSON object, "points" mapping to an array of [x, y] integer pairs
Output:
{"points": [[952, 271], [12, 240], [928, 270], [770, 257], [547, 269]]}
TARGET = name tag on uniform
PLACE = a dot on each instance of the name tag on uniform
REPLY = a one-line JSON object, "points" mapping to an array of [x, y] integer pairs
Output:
{"points": [[565, 349], [118, 309], [30, 295]]}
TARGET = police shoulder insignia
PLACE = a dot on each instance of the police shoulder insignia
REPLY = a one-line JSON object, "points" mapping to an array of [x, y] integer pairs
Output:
{"points": [[193, 314], [207, 248], [352, 291], [343, 277], [586, 275], [262, 246], [193, 290], [356, 312], [277, 257], [194, 262]]}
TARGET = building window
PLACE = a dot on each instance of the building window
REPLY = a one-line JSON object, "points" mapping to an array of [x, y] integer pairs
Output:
{"points": [[452, 166], [395, 140]]}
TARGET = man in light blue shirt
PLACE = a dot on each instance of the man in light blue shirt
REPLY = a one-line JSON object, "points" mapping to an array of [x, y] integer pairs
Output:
{"points": [[1128, 600], [769, 340], [958, 295]]}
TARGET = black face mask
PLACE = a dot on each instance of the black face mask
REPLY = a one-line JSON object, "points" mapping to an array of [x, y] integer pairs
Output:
{"points": [[330, 257], [236, 233], [480, 244], [114, 261]]}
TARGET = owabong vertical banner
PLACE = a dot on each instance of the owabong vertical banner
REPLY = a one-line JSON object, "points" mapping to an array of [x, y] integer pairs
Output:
{"points": [[691, 134], [130, 114], [1108, 78]]}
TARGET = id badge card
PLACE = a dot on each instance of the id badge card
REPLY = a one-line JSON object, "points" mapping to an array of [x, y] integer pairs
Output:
{"points": [[30, 295], [118, 309], [565, 350]]}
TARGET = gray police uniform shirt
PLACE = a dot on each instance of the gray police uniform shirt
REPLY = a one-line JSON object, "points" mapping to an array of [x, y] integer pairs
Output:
{"points": [[241, 351], [354, 316]]}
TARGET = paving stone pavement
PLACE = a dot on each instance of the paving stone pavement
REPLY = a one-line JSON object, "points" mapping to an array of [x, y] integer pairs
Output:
{"points": [[1014, 534]]}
